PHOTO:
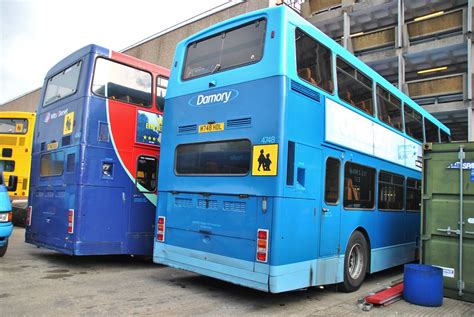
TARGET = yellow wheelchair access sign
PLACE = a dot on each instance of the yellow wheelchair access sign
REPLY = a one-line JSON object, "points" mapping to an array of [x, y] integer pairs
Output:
{"points": [[265, 160]]}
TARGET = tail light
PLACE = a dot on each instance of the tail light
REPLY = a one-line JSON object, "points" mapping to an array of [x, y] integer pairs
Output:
{"points": [[262, 245], [160, 233], [6, 217], [70, 221], [29, 213]]}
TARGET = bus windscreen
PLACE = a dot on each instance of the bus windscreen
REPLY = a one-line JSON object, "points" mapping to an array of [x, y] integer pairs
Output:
{"points": [[214, 158], [229, 49]]}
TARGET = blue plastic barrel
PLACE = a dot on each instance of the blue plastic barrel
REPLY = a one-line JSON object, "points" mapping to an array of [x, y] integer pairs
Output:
{"points": [[423, 285]]}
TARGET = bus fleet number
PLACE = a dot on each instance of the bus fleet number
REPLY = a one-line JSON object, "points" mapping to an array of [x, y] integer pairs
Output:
{"points": [[268, 139]]}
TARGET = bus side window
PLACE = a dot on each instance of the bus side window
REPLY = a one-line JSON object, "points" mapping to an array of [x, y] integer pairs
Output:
{"points": [[389, 108], [390, 191], [359, 186], [445, 138], [354, 87], [146, 172], [413, 194], [331, 184], [431, 131], [161, 86], [314, 63], [413, 123]]}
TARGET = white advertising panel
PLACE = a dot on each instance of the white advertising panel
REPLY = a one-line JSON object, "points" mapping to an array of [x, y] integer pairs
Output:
{"points": [[354, 131]]}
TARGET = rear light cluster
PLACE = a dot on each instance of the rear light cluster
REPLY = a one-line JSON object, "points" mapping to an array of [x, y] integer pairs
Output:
{"points": [[160, 233], [70, 221], [28, 215], [262, 245], [6, 217]]}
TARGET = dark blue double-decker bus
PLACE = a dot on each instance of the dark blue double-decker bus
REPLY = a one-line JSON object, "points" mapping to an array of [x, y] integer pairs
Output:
{"points": [[95, 155]]}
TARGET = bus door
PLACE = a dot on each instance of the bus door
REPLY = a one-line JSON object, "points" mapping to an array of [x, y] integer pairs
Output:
{"points": [[331, 203]]}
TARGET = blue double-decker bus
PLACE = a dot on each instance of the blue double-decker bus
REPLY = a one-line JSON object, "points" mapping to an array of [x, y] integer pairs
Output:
{"points": [[286, 161], [95, 155]]}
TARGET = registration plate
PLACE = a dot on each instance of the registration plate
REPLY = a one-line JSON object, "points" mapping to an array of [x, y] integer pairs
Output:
{"points": [[53, 146], [213, 127]]}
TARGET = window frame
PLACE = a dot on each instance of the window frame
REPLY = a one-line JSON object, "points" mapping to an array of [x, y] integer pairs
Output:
{"points": [[405, 123], [50, 153], [152, 96], [262, 18], [331, 66], [44, 104], [156, 173], [374, 188], [377, 96], [338, 181], [176, 173], [17, 133], [425, 121], [406, 194], [157, 85], [354, 77], [403, 186]]}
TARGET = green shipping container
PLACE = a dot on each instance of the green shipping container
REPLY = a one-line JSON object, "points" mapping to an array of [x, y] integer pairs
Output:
{"points": [[446, 241]]}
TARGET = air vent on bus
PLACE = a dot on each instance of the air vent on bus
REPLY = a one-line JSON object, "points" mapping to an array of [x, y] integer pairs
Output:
{"points": [[234, 206], [21, 141], [308, 92], [207, 204], [183, 202], [234, 123], [187, 128]]}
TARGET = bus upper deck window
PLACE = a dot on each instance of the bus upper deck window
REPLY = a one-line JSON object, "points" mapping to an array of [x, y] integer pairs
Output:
{"points": [[389, 108], [431, 131], [413, 123], [240, 46], [314, 63], [161, 86], [62, 84], [121, 82], [354, 87]]}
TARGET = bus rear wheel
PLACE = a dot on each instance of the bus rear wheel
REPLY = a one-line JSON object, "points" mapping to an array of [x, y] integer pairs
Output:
{"points": [[355, 262], [3, 249]]}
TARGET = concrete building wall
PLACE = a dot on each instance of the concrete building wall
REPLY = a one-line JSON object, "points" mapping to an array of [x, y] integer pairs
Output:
{"points": [[422, 46], [28, 102], [159, 50]]}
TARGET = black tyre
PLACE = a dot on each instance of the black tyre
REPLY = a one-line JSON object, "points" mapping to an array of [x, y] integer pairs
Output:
{"points": [[355, 262], [3, 249]]}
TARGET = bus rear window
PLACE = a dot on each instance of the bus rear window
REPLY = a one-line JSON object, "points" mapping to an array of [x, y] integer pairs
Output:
{"points": [[52, 164], [229, 49], [13, 126], [214, 158], [121, 82], [62, 84]]}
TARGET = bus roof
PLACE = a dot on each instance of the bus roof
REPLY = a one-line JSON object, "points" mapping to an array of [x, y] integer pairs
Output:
{"points": [[17, 114], [102, 51], [286, 15]]}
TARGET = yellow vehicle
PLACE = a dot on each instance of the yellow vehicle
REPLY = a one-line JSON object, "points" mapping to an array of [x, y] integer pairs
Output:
{"points": [[16, 138]]}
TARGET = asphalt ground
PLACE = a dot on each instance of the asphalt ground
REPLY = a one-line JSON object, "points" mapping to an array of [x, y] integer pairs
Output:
{"points": [[39, 282]]}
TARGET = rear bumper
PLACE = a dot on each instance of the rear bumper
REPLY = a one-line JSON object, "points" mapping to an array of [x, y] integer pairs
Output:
{"points": [[263, 277], [6, 230], [216, 266], [141, 245]]}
